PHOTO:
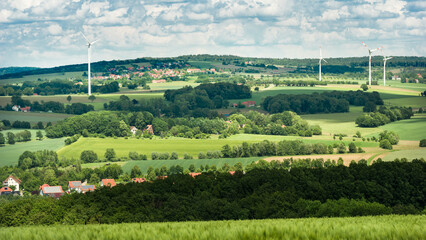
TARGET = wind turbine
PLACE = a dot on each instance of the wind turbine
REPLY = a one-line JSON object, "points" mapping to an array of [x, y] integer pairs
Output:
{"points": [[369, 61], [89, 50], [321, 59], [384, 68]]}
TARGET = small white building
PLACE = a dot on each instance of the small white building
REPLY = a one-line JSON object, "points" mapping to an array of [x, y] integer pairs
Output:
{"points": [[133, 129], [12, 181], [74, 186]]}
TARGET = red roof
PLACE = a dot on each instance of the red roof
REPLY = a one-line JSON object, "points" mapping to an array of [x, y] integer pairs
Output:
{"points": [[44, 185], [162, 177], [109, 182], [149, 129], [232, 172], [138, 180], [74, 184], [194, 174], [14, 178], [5, 189]]}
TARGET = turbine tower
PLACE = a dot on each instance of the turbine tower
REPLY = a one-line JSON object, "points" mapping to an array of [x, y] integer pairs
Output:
{"points": [[384, 68], [369, 61], [321, 59], [89, 50]]}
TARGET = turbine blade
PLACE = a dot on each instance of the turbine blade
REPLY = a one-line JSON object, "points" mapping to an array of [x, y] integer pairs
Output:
{"points": [[85, 37], [94, 41], [324, 60], [365, 45]]}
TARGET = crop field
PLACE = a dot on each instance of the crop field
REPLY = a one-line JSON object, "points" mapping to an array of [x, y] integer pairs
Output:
{"points": [[408, 154], [9, 154], [409, 129], [15, 131], [123, 146], [33, 117], [185, 163], [171, 85], [50, 76], [378, 227]]}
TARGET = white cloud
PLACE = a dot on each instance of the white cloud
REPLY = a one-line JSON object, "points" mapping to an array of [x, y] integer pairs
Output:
{"points": [[54, 29]]}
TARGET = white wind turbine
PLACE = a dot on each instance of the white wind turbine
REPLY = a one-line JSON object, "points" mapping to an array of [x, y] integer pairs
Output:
{"points": [[321, 59], [384, 68], [369, 61], [89, 50]]}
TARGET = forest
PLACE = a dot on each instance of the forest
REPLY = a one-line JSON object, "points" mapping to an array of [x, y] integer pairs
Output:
{"points": [[381, 188]]}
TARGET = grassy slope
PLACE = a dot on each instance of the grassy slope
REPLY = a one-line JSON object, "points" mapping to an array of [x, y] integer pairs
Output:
{"points": [[180, 145], [9, 154], [378, 227]]}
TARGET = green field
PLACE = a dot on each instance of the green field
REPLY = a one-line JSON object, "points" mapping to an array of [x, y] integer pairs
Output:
{"points": [[123, 146], [379, 227], [15, 131], [33, 117], [144, 165], [9, 154], [408, 154], [171, 85], [409, 129], [50, 76]]}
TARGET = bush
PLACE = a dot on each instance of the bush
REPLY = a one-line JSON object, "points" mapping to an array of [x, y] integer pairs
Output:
{"points": [[341, 148], [88, 156], [110, 154], [422, 143], [201, 155], [174, 156], [154, 155], [392, 137], [164, 156], [352, 147], [385, 144], [187, 156]]}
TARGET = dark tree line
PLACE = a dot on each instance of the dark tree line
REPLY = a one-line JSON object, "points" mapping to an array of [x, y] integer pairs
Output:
{"points": [[384, 116], [382, 188], [326, 102]]}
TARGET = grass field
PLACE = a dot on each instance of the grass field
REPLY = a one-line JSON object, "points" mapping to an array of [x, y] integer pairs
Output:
{"points": [[9, 154], [180, 145], [144, 165], [50, 76], [33, 117], [171, 85], [379, 227], [409, 129], [15, 131]]}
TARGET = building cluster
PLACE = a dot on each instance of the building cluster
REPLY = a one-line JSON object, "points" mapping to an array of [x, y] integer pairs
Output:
{"points": [[148, 129], [11, 186], [18, 108]]}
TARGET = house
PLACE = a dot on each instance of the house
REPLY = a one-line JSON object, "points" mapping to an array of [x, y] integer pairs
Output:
{"points": [[16, 108], [6, 191], [133, 129], [149, 129], [51, 191], [25, 109], [138, 180], [232, 172], [12, 181], [194, 174], [249, 103], [74, 186], [159, 81], [87, 188], [108, 183]]}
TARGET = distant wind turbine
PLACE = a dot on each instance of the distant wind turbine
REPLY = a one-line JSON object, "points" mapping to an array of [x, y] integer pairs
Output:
{"points": [[384, 68], [321, 59], [369, 61], [89, 50]]}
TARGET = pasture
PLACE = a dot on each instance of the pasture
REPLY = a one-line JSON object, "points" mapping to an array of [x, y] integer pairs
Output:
{"points": [[9, 154], [33, 117], [371, 227], [409, 129], [123, 146]]}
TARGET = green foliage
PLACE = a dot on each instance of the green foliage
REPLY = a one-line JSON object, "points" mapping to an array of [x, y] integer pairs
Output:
{"points": [[352, 148], [422, 142], [10, 138], [136, 172], [109, 154], [88, 156], [364, 87], [39, 135], [385, 144], [392, 137]]}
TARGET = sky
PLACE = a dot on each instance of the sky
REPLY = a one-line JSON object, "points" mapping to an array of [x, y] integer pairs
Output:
{"points": [[47, 33]]}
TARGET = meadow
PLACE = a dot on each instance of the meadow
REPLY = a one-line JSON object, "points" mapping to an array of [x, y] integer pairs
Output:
{"points": [[9, 154], [33, 117], [123, 146], [378, 227]]}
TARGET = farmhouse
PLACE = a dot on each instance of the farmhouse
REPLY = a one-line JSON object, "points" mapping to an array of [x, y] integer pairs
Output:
{"points": [[249, 103], [25, 109], [12, 181], [138, 180], [74, 186], [133, 129], [87, 188], [108, 183], [6, 191], [51, 191], [194, 174], [149, 129]]}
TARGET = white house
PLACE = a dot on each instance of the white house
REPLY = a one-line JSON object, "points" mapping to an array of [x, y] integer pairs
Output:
{"points": [[74, 186], [133, 129], [12, 181]]}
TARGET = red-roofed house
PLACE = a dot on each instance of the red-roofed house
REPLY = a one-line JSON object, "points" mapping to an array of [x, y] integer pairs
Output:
{"points": [[194, 174], [249, 103], [159, 81], [149, 129], [5, 190], [232, 172], [87, 188], [108, 183], [74, 186], [138, 180], [12, 181], [25, 109], [51, 191]]}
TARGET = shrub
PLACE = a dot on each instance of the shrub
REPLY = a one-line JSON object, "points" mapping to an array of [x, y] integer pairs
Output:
{"points": [[134, 155], [392, 137], [352, 147], [187, 156], [174, 156], [341, 148], [422, 143], [110, 154], [154, 155], [385, 144], [164, 156], [201, 155], [88, 156]]}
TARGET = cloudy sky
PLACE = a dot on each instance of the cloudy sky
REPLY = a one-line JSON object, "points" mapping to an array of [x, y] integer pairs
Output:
{"points": [[46, 33]]}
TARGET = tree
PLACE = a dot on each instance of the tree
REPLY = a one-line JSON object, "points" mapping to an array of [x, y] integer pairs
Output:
{"points": [[369, 107], [341, 148], [352, 147], [88, 156], [110, 154], [385, 144], [10, 138], [136, 172], [69, 98], [392, 137], [2, 140], [422, 143], [39, 135], [364, 87], [92, 97]]}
